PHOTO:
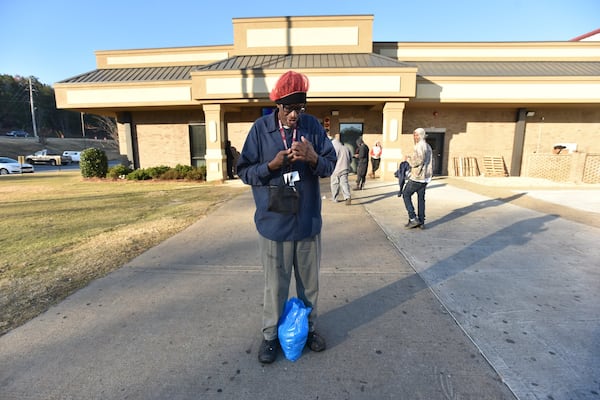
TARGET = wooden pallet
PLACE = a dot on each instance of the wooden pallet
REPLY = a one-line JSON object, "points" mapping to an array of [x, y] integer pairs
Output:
{"points": [[466, 166], [494, 166]]}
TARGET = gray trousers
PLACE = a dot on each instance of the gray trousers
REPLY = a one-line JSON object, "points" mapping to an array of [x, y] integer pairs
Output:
{"points": [[279, 259], [337, 181]]}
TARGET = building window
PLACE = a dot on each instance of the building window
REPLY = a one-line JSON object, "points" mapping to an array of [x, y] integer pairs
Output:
{"points": [[198, 145]]}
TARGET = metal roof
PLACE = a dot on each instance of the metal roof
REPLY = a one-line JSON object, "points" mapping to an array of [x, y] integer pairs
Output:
{"points": [[299, 61], [507, 68], [295, 61], [144, 74]]}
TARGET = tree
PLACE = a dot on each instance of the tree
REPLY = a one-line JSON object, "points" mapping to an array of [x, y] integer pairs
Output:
{"points": [[103, 126], [14, 101], [15, 111]]}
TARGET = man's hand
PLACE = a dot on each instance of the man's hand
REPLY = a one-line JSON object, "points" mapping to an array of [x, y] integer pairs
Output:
{"points": [[280, 159], [303, 150]]}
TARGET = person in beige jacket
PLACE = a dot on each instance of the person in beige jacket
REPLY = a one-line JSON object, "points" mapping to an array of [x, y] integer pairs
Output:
{"points": [[421, 171]]}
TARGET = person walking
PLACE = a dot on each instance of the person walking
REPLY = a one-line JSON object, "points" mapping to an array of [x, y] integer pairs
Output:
{"points": [[421, 171], [362, 154], [339, 177], [290, 145], [376, 151], [229, 158]]}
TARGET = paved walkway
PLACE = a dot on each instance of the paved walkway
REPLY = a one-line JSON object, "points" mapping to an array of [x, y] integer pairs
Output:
{"points": [[494, 300]]}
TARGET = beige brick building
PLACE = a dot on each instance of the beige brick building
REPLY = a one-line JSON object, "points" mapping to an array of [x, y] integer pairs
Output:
{"points": [[488, 108]]}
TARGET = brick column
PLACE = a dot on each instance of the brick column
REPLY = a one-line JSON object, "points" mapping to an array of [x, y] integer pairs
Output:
{"points": [[392, 131], [216, 161], [126, 139]]}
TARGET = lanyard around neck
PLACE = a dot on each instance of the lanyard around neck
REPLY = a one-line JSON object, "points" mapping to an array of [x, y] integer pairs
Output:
{"points": [[283, 135]]}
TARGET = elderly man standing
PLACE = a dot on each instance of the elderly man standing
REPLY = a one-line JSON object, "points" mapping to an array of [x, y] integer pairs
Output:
{"points": [[421, 171], [292, 146]]}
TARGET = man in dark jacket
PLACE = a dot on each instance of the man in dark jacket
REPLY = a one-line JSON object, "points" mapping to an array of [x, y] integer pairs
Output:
{"points": [[293, 146], [362, 154]]}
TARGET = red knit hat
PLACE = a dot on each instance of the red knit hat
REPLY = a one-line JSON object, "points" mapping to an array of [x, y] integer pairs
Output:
{"points": [[291, 88]]}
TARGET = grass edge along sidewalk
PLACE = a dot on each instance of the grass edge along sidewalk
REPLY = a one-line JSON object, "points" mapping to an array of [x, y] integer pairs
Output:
{"points": [[60, 231]]}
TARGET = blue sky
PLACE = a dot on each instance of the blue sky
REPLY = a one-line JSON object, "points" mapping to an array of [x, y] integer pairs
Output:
{"points": [[56, 39]]}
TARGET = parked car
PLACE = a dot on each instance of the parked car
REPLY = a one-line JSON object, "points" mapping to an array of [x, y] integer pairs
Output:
{"points": [[12, 166], [75, 155], [45, 157], [17, 134]]}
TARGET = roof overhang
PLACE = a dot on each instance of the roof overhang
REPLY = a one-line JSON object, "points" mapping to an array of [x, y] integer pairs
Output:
{"points": [[340, 76], [332, 83], [123, 95]]}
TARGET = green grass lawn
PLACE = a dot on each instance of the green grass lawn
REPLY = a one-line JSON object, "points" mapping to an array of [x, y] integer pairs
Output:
{"points": [[59, 231]]}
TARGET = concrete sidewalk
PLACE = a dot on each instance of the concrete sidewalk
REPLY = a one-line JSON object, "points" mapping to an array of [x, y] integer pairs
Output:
{"points": [[490, 301], [522, 284]]}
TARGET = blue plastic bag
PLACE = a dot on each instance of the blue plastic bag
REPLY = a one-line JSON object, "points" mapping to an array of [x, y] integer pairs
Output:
{"points": [[293, 328]]}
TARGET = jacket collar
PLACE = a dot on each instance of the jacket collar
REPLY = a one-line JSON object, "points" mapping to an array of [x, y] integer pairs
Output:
{"points": [[273, 122]]}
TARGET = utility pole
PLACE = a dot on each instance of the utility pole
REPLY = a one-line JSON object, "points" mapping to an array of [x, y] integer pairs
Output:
{"points": [[32, 109]]}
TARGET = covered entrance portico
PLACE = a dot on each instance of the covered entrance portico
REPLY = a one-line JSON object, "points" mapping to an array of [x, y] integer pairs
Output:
{"points": [[377, 102]]}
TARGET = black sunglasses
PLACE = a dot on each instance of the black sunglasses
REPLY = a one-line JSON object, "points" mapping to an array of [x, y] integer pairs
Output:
{"points": [[299, 108]]}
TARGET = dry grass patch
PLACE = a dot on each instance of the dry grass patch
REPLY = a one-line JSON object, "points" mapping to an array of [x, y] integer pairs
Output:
{"points": [[59, 232]]}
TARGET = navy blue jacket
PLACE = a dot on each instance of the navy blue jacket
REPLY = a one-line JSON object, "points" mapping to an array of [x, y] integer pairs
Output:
{"points": [[402, 174], [262, 145]]}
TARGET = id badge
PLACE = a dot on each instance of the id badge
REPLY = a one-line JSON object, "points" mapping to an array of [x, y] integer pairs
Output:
{"points": [[291, 177]]}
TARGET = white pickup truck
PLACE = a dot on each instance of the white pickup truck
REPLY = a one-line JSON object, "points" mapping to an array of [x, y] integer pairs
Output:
{"points": [[43, 157], [75, 155]]}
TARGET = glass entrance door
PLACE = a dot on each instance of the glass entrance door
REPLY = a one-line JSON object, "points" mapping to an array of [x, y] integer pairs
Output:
{"points": [[349, 132], [198, 145], [436, 141]]}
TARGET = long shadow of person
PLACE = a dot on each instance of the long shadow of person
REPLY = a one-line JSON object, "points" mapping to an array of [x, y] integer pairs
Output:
{"points": [[382, 196], [459, 212], [365, 309]]}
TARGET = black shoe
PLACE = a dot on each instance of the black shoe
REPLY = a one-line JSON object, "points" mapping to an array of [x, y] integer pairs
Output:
{"points": [[315, 342], [413, 223], [267, 353], [422, 226]]}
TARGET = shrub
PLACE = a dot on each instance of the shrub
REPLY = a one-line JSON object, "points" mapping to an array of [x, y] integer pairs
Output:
{"points": [[139, 175], [178, 172], [197, 174], [119, 171], [157, 172], [93, 163], [183, 170], [170, 174]]}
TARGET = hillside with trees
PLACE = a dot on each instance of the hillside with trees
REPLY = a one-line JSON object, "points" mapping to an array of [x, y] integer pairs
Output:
{"points": [[18, 93]]}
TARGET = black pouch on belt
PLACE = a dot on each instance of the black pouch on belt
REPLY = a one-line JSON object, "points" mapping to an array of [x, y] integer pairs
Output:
{"points": [[283, 198]]}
